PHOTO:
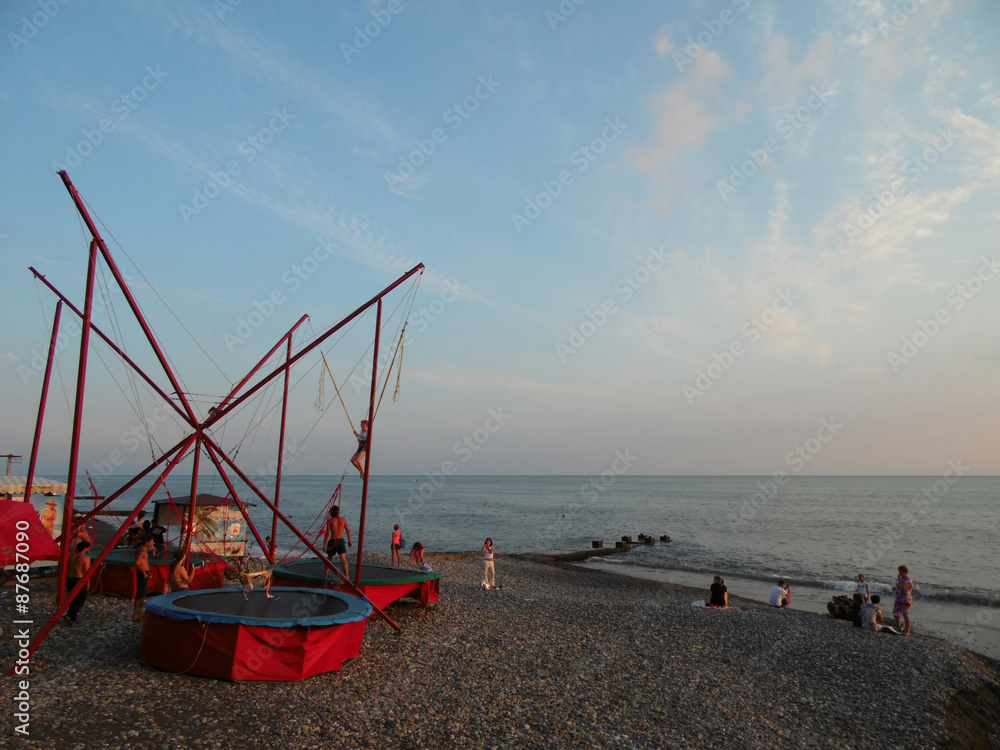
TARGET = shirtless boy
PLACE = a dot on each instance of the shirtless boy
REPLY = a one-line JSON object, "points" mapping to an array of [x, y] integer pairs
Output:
{"points": [[333, 537], [76, 568], [141, 579]]}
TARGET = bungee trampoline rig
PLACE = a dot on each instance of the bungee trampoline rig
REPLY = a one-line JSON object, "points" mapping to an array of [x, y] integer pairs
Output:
{"points": [[308, 628]]}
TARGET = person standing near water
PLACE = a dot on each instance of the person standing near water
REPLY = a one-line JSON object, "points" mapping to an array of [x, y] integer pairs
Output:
{"points": [[333, 538], [904, 600], [489, 574], [863, 588]]}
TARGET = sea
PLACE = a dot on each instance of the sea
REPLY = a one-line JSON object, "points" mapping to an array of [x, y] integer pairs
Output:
{"points": [[817, 533]]}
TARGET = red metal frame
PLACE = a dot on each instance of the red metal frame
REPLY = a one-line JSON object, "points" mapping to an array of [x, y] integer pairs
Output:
{"points": [[41, 403], [368, 449], [199, 438], [74, 451]]}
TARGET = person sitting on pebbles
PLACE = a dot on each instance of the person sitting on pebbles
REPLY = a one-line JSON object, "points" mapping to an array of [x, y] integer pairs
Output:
{"points": [[720, 594], [781, 595]]}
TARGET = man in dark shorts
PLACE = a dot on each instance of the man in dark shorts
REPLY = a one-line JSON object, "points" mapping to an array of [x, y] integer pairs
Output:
{"points": [[333, 537], [141, 578], [76, 568]]}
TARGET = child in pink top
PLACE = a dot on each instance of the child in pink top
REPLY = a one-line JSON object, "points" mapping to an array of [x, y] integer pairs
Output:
{"points": [[397, 545]]}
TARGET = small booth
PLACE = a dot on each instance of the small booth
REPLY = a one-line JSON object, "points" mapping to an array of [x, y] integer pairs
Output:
{"points": [[219, 528]]}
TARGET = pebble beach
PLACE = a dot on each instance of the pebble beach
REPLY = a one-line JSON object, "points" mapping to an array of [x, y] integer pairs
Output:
{"points": [[557, 657]]}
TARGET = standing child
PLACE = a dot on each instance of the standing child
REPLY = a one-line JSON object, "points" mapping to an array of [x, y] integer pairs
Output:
{"points": [[397, 545], [489, 573], [904, 600], [863, 588], [359, 455]]}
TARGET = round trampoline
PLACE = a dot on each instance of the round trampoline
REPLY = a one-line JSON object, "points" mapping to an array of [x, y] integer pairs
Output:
{"points": [[116, 575], [382, 584], [220, 633]]}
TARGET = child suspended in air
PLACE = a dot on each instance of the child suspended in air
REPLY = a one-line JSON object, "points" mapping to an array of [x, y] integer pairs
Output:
{"points": [[359, 456]]}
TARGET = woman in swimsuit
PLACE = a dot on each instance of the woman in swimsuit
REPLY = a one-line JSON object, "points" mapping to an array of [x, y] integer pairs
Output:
{"points": [[904, 600], [397, 545], [180, 579]]}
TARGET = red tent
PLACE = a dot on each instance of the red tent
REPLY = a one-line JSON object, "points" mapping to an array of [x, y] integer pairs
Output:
{"points": [[15, 518]]}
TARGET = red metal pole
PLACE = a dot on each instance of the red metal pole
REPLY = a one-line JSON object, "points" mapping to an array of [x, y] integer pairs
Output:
{"points": [[368, 453], [135, 480], [262, 362], [64, 605], [194, 500], [312, 345], [41, 404], [281, 451], [74, 451], [140, 319], [115, 349], [243, 510], [309, 545]]}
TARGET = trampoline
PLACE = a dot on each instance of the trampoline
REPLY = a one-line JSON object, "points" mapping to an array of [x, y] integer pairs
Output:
{"points": [[116, 575], [219, 633], [382, 584]]}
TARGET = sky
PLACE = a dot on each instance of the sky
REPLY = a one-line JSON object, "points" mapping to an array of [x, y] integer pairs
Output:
{"points": [[717, 237]]}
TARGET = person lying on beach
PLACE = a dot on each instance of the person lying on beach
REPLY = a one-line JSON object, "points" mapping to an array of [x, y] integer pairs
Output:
{"points": [[872, 618], [720, 594], [781, 595], [359, 455]]}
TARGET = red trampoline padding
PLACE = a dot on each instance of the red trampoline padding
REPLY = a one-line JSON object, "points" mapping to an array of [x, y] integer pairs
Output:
{"points": [[247, 652], [119, 579]]}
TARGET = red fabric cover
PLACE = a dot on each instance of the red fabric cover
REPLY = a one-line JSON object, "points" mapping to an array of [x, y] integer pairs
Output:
{"points": [[120, 579], [41, 545], [247, 652], [426, 593]]}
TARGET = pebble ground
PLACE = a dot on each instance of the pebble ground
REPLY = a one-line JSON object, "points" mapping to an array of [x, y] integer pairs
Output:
{"points": [[556, 658]]}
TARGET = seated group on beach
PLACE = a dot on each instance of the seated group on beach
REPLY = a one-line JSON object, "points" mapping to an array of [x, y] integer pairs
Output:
{"points": [[864, 609]]}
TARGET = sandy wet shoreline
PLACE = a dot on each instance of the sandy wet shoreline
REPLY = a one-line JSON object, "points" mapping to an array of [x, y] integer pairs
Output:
{"points": [[556, 658]]}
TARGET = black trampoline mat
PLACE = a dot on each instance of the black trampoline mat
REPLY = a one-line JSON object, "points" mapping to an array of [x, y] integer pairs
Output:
{"points": [[287, 606], [316, 569]]}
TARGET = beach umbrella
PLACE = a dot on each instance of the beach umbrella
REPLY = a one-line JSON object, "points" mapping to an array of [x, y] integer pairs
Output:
{"points": [[21, 517]]}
